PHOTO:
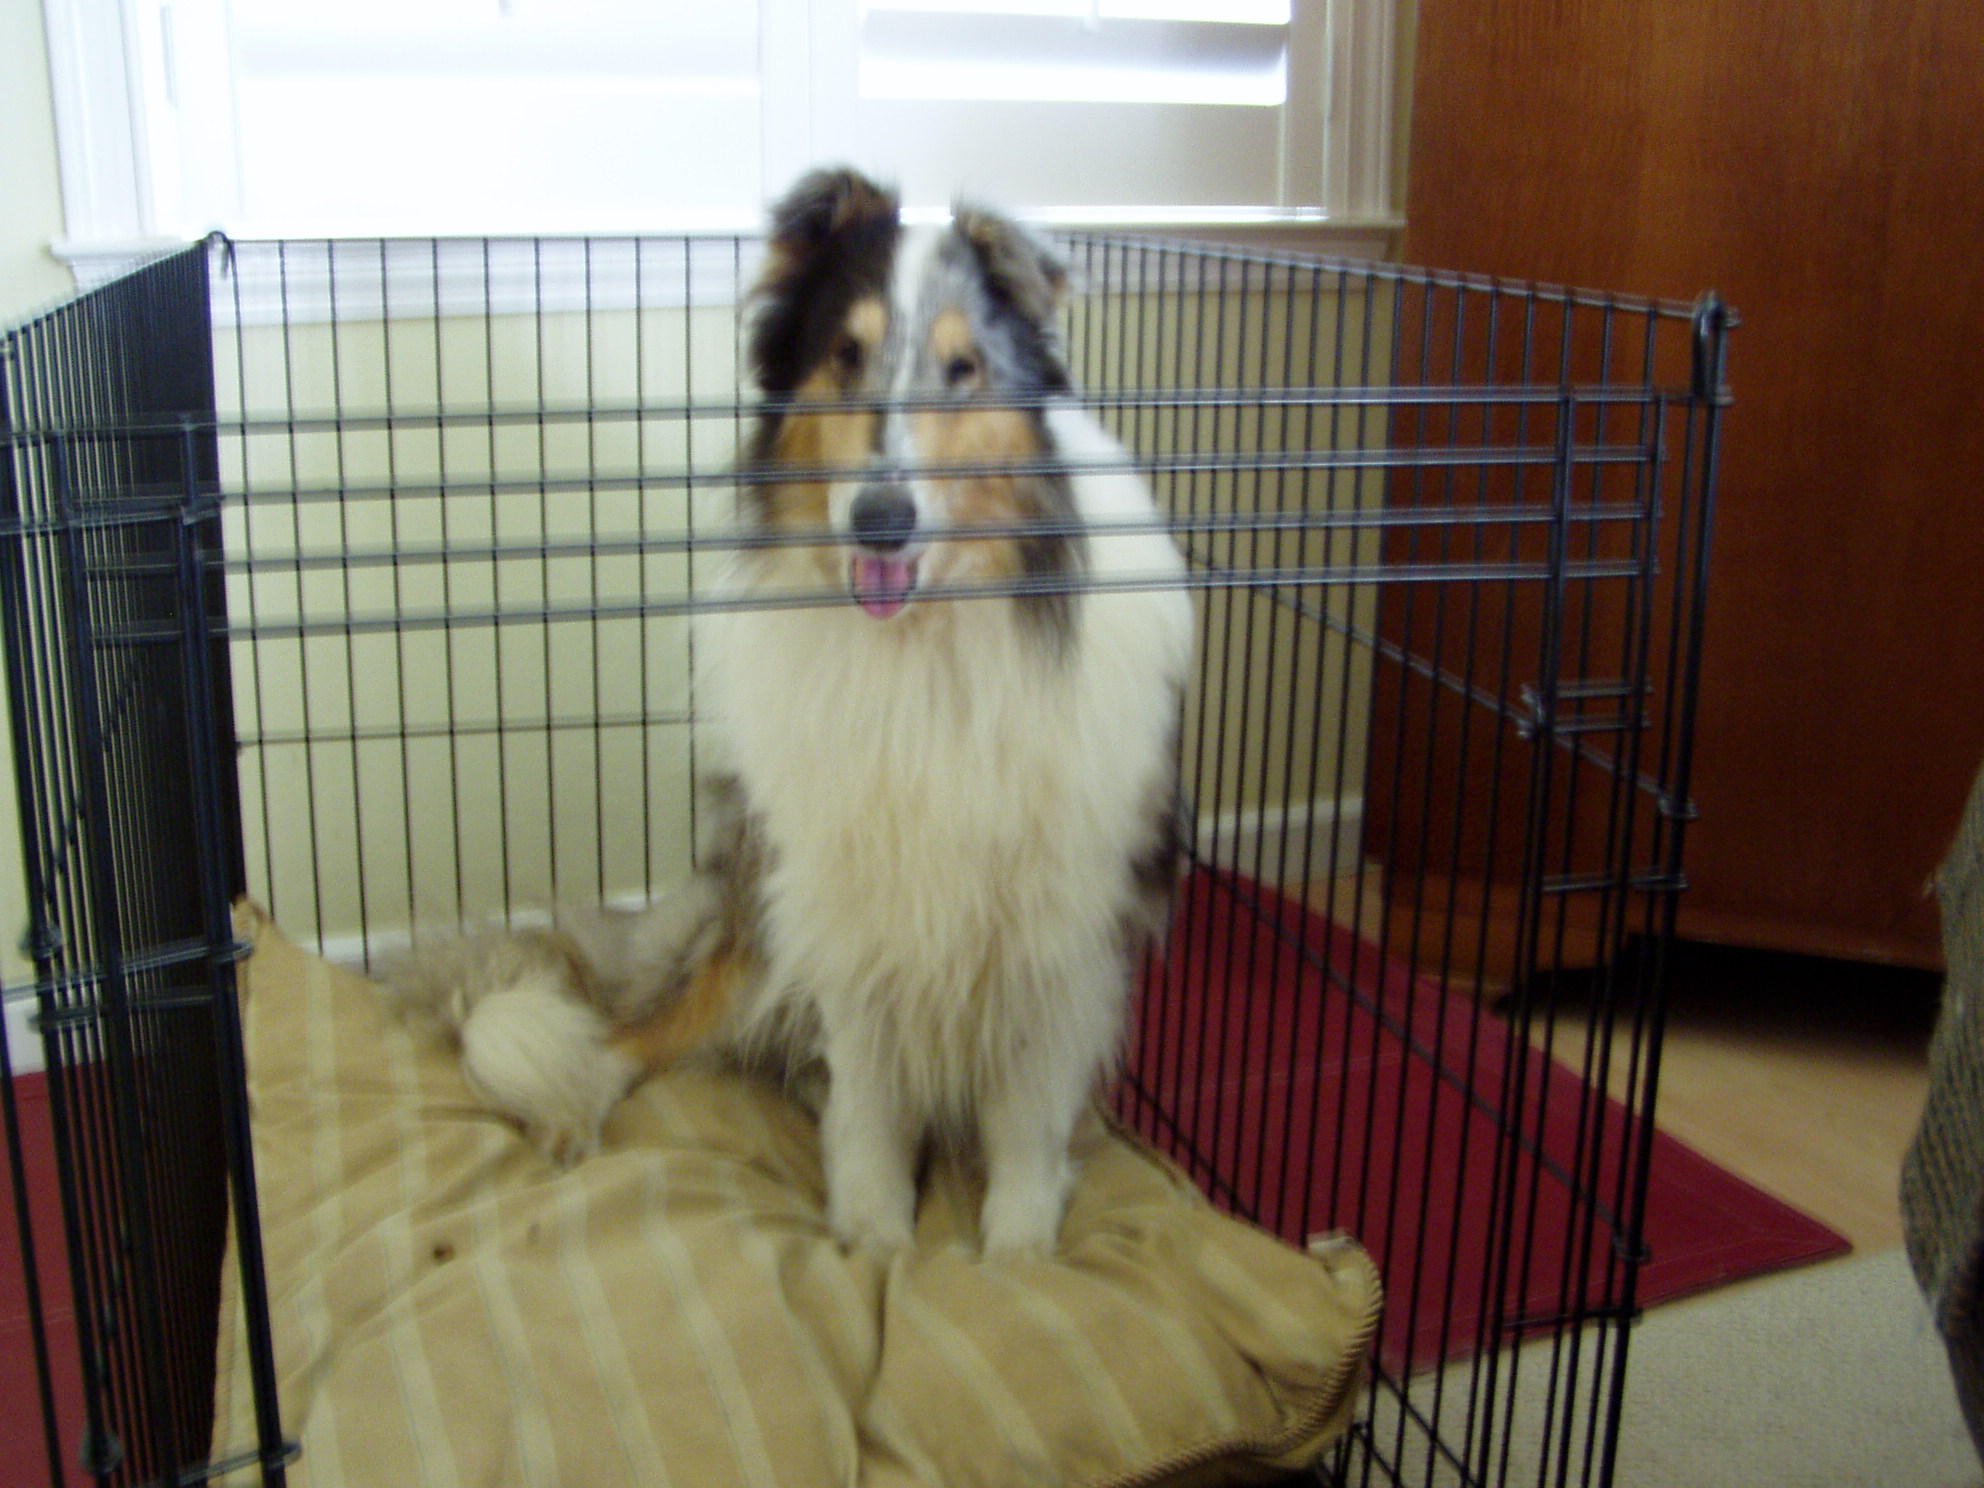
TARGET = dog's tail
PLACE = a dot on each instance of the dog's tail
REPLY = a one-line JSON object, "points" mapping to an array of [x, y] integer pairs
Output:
{"points": [[556, 1025]]}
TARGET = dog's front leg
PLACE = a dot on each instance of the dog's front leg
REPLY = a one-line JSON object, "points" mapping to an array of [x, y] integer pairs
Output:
{"points": [[869, 1146], [1025, 1129]]}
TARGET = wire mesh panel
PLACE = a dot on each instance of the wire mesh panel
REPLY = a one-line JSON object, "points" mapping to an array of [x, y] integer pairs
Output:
{"points": [[120, 719], [1453, 536], [392, 614]]}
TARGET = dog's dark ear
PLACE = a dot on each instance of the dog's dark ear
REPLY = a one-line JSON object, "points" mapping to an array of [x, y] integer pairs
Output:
{"points": [[831, 238], [824, 203], [1030, 275]]}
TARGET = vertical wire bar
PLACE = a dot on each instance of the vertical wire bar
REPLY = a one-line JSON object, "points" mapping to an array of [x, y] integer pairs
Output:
{"points": [[120, 554], [350, 642], [689, 494], [28, 788], [105, 472], [82, 1090], [1333, 874], [1188, 953], [1627, 1249], [496, 632], [221, 953], [152, 1408], [1211, 735], [1483, 1375], [1491, 344], [74, 1060], [1514, 1272], [1276, 1219], [1633, 672], [1281, 688], [1548, 981], [78, 351], [392, 438], [545, 625], [1367, 1157], [1169, 976], [1711, 330], [1245, 599], [1594, 1113], [643, 624], [1193, 955], [1231, 1066], [1416, 932], [1164, 976], [592, 566], [41, 720], [1532, 967], [1483, 1381], [444, 503], [1357, 947], [303, 649]]}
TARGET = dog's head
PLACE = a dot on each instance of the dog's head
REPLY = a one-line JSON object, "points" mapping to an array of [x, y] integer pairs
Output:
{"points": [[901, 369]]}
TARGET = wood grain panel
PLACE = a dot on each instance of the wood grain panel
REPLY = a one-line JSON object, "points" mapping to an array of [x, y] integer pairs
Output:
{"points": [[1818, 163]]}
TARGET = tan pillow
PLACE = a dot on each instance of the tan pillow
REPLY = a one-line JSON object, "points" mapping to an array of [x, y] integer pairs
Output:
{"points": [[450, 1310]]}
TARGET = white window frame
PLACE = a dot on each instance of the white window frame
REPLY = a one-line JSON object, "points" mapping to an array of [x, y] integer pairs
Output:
{"points": [[113, 63]]}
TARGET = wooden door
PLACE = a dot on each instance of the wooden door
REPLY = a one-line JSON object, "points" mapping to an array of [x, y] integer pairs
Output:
{"points": [[1821, 164]]}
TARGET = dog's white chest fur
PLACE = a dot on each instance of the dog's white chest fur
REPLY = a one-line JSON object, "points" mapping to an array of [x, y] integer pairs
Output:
{"points": [[952, 807]]}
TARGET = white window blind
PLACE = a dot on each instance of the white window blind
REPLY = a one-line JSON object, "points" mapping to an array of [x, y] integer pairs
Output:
{"points": [[305, 117], [1158, 105]]}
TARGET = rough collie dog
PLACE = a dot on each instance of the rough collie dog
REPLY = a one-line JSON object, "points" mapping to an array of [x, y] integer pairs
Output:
{"points": [[944, 693]]}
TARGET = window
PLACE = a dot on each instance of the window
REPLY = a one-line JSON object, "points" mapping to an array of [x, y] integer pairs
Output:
{"points": [[306, 117]]}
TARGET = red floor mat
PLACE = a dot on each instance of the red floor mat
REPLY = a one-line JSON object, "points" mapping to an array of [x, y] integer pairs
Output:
{"points": [[1485, 1178], [23, 1457]]}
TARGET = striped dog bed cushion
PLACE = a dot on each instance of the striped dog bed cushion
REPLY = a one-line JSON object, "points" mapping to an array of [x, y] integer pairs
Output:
{"points": [[449, 1310]]}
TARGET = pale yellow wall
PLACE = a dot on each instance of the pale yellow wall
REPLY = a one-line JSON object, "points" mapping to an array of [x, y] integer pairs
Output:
{"points": [[30, 276], [455, 800], [1269, 769], [30, 184], [415, 822]]}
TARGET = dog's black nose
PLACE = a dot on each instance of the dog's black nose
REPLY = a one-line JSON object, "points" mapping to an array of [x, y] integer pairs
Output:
{"points": [[883, 517]]}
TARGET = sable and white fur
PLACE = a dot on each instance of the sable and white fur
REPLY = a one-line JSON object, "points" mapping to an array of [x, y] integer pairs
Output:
{"points": [[945, 825]]}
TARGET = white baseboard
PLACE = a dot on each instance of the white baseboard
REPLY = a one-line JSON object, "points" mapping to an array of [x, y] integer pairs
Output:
{"points": [[23, 1043], [1285, 841], [354, 950]]}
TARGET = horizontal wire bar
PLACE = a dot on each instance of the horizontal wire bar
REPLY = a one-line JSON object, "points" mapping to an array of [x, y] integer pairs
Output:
{"points": [[221, 1467], [1530, 457], [123, 506], [384, 733], [683, 540], [1512, 713], [1406, 276], [184, 952], [1512, 395], [1020, 588], [1382, 1378]]}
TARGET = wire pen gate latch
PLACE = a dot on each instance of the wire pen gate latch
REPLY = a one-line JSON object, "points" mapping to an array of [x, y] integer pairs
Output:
{"points": [[1538, 714]]}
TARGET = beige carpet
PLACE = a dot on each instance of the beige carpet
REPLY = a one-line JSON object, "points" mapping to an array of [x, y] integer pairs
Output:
{"points": [[1829, 1377]]}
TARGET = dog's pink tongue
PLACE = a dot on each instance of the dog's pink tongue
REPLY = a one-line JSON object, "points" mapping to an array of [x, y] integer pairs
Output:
{"points": [[882, 585]]}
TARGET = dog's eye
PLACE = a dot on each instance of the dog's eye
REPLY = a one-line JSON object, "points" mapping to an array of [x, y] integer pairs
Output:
{"points": [[850, 356], [959, 370]]}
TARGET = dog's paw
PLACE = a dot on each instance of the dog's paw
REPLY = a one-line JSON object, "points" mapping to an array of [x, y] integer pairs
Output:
{"points": [[1022, 1220], [878, 1216], [564, 1145]]}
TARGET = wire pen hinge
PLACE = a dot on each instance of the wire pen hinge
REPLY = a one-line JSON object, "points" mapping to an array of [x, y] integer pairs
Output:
{"points": [[1539, 713], [1711, 324]]}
